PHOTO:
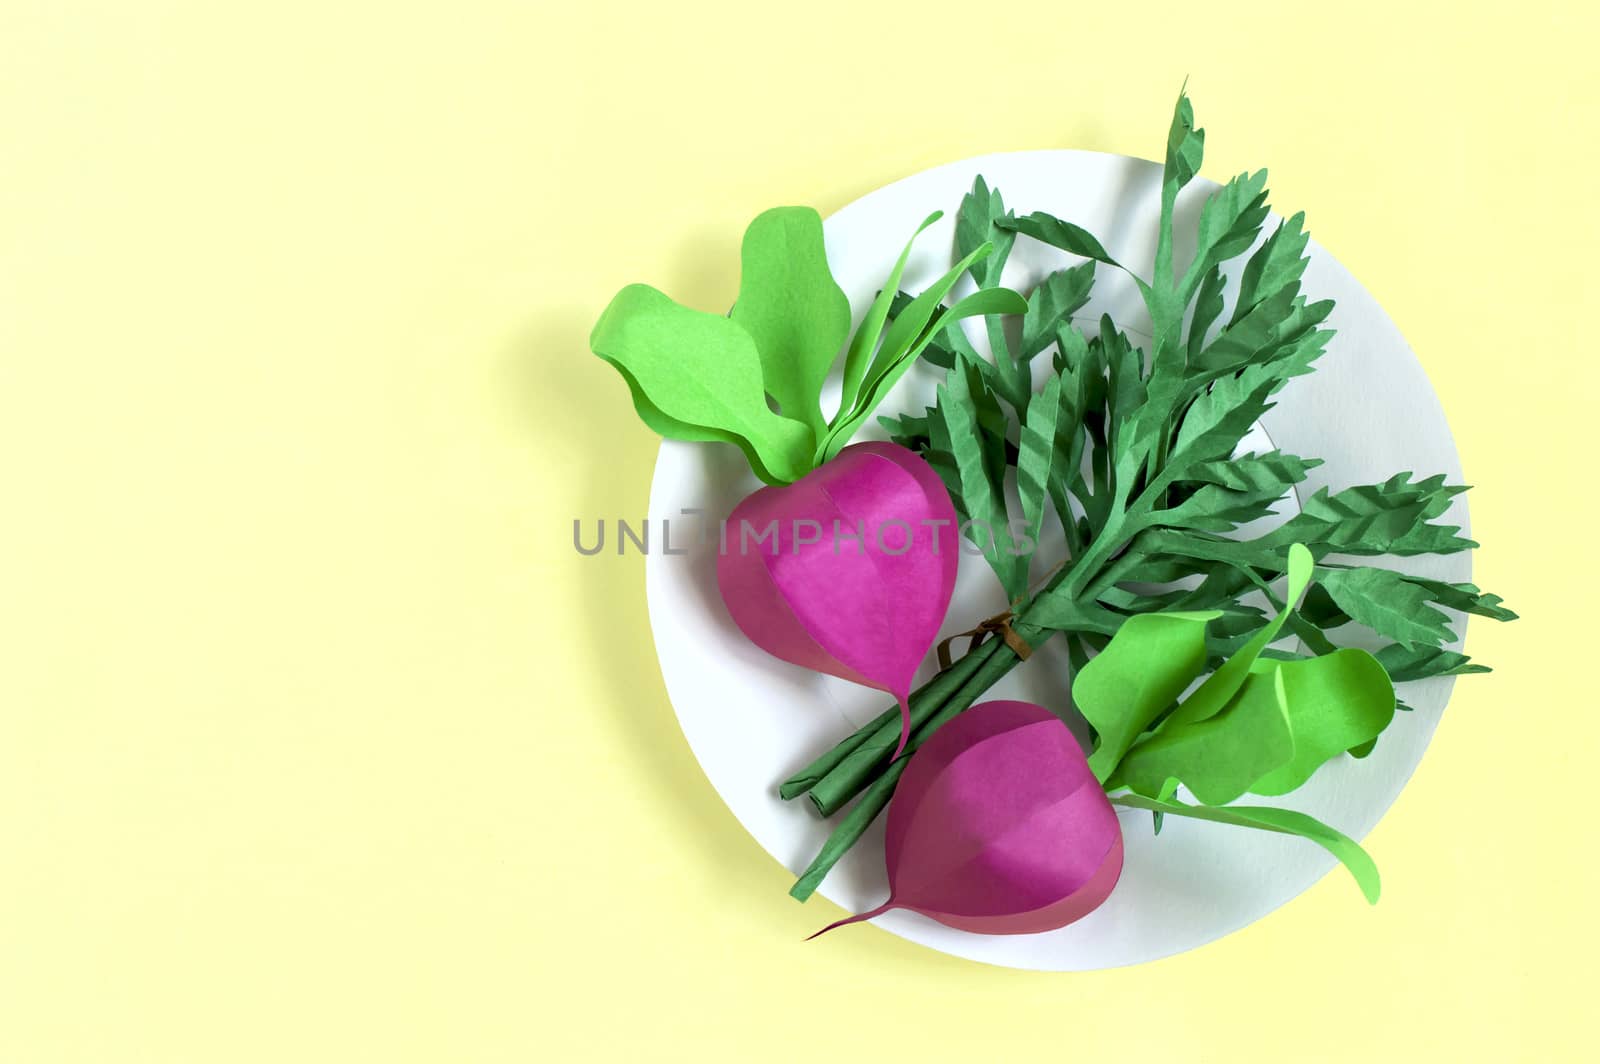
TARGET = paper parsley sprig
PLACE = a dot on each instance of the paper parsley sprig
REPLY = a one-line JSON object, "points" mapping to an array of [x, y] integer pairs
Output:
{"points": [[1136, 452]]}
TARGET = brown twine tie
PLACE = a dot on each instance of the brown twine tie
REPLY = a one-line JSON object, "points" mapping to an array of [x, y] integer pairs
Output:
{"points": [[1000, 623]]}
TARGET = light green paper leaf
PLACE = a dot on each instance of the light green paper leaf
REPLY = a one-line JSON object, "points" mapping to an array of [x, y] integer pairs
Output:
{"points": [[1285, 822], [1388, 603], [792, 308], [870, 331], [987, 301], [925, 316], [1149, 662], [697, 376], [1221, 685], [1219, 757], [1335, 702]]}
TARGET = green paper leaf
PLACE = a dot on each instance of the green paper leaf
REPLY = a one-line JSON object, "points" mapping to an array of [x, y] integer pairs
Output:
{"points": [[955, 432], [1254, 336], [1334, 703], [1419, 663], [1220, 417], [1073, 239], [1285, 722], [1388, 603], [1253, 472], [1035, 455], [697, 376], [1218, 757], [1275, 266], [926, 316], [1284, 821], [894, 365], [792, 308], [1185, 146], [1372, 519], [1216, 509], [1125, 390], [975, 227], [1121, 691], [859, 355], [1464, 597], [1207, 308], [1052, 304], [1234, 492], [1229, 223], [1221, 685]]}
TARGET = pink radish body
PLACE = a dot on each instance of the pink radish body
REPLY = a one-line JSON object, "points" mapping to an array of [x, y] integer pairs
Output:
{"points": [[804, 588], [999, 827]]}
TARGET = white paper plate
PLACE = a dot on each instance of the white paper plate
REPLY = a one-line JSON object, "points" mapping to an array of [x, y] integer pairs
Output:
{"points": [[752, 720]]}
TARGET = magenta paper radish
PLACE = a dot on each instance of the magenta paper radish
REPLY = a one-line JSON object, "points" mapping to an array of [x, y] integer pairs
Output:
{"points": [[867, 610], [999, 827], [855, 572]]}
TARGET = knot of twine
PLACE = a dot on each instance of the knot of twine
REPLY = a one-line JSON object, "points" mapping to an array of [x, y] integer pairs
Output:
{"points": [[1000, 623]]}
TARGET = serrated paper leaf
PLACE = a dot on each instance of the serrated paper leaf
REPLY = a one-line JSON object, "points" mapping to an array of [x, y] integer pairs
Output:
{"points": [[1036, 455], [1185, 146], [975, 227], [1278, 263], [1208, 306], [1229, 223], [1253, 472], [979, 499], [1052, 304], [1404, 664], [1464, 597], [1388, 603], [1219, 418]]}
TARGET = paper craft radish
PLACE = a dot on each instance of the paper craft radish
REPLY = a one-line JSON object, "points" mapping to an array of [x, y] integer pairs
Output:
{"points": [[999, 827], [858, 577], [867, 612]]}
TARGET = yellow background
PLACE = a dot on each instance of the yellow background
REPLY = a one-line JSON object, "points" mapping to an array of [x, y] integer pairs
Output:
{"points": [[318, 742]]}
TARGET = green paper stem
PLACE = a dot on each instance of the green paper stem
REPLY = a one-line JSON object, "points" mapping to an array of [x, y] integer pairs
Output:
{"points": [[877, 793], [837, 776]]}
